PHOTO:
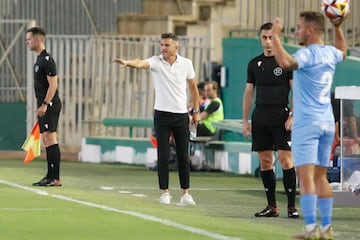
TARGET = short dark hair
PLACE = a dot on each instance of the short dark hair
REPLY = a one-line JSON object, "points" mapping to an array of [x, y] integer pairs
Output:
{"points": [[201, 85], [169, 35], [215, 85], [37, 31], [316, 18], [266, 26]]}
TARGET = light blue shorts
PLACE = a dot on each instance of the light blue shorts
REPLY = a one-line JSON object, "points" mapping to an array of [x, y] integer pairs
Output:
{"points": [[311, 143]]}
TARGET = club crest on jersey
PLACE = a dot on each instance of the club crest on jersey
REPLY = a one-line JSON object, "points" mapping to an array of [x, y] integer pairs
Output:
{"points": [[36, 68], [277, 71], [259, 63]]}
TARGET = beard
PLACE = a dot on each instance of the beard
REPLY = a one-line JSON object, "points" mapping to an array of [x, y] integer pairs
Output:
{"points": [[301, 42]]}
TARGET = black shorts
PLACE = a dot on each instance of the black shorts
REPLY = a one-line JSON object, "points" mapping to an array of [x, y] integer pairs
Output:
{"points": [[49, 122], [268, 129]]}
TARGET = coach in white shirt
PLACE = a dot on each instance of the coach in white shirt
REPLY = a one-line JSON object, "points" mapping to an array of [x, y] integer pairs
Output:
{"points": [[171, 74]]}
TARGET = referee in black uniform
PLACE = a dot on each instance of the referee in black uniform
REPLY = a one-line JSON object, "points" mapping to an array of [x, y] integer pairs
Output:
{"points": [[48, 104], [271, 122]]}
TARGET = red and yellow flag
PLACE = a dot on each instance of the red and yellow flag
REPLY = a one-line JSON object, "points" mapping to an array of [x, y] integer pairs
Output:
{"points": [[32, 144]]}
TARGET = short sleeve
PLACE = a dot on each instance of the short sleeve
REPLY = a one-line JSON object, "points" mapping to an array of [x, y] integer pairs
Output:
{"points": [[250, 75], [302, 56], [338, 55], [151, 61], [191, 72], [50, 67]]}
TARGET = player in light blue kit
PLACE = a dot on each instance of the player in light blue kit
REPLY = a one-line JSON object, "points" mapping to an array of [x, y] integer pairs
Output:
{"points": [[313, 122]]}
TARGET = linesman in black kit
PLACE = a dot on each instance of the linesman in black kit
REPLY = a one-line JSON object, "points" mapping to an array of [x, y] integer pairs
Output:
{"points": [[48, 104], [271, 122]]}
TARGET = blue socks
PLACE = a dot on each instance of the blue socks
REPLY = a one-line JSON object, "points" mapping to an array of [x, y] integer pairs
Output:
{"points": [[325, 206], [308, 205]]}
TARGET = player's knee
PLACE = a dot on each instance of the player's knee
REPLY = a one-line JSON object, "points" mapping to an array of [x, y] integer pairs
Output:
{"points": [[286, 163], [266, 164], [49, 138]]}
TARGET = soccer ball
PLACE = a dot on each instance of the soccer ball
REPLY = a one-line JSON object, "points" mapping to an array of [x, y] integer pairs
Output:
{"points": [[335, 8]]}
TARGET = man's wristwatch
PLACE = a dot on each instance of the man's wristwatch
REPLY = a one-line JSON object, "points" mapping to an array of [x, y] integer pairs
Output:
{"points": [[45, 103], [196, 110], [290, 113]]}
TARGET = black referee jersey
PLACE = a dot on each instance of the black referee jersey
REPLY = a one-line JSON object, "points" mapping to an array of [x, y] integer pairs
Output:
{"points": [[44, 66], [270, 80]]}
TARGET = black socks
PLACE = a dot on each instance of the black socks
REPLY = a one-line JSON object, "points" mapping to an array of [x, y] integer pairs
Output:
{"points": [[269, 181], [289, 181], [53, 161]]}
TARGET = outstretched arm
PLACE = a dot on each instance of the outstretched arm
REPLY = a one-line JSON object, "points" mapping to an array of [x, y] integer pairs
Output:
{"points": [[135, 63], [283, 58]]}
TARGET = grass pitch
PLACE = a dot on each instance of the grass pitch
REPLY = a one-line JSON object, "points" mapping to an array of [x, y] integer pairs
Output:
{"points": [[115, 201]]}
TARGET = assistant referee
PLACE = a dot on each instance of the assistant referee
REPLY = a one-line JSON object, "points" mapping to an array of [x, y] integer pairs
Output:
{"points": [[48, 104]]}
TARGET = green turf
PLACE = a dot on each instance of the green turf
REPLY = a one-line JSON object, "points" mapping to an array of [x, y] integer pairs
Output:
{"points": [[225, 205]]}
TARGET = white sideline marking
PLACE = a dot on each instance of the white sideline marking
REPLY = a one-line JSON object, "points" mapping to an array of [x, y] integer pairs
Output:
{"points": [[131, 213], [106, 188], [124, 192], [27, 209], [194, 189], [138, 195]]}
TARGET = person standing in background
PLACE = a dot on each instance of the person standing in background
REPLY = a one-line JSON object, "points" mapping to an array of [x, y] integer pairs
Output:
{"points": [[271, 122], [48, 103], [171, 74]]}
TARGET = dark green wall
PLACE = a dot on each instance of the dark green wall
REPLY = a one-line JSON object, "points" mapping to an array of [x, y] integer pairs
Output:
{"points": [[237, 52], [12, 125]]}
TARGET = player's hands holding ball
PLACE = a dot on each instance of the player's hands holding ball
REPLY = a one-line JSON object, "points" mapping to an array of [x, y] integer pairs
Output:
{"points": [[337, 21], [336, 10]]}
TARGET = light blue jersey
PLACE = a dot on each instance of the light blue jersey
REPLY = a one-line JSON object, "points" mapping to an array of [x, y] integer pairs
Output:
{"points": [[313, 122]]}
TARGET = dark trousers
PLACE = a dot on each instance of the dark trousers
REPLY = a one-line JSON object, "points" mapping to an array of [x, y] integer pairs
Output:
{"points": [[166, 123], [203, 131]]}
